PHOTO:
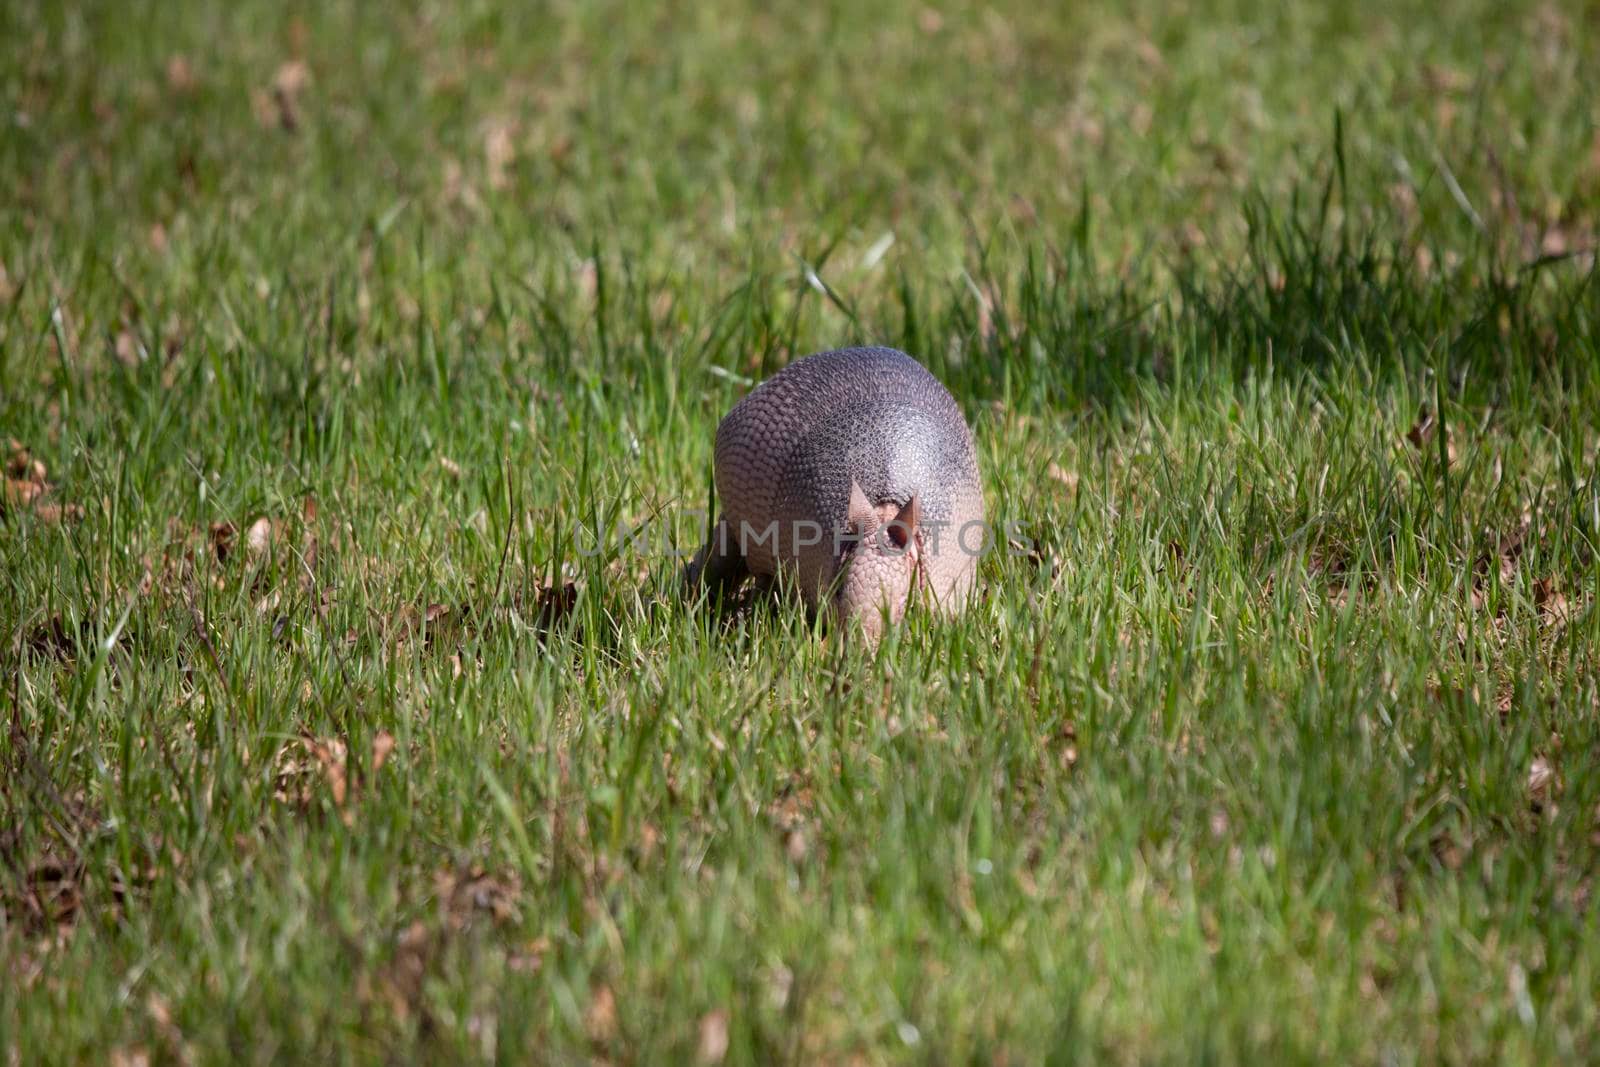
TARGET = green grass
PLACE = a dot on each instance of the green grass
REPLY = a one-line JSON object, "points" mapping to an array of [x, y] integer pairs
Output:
{"points": [[1279, 330]]}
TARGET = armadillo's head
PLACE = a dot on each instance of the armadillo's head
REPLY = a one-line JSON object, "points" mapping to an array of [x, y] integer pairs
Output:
{"points": [[879, 568]]}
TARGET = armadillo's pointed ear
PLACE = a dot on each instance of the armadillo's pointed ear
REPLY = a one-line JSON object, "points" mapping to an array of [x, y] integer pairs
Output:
{"points": [[863, 517], [904, 525]]}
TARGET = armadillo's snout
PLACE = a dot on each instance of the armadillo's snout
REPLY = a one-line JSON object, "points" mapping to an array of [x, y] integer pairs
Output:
{"points": [[875, 589], [880, 569]]}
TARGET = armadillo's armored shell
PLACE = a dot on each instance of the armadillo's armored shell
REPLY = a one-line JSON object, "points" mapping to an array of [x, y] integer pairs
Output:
{"points": [[787, 453]]}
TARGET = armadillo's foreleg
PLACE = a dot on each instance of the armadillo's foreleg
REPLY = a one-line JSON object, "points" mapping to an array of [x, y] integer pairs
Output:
{"points": [[718, 565]]}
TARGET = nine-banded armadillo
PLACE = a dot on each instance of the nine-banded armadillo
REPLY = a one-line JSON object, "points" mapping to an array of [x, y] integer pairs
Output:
{"points": [[855, 470]]}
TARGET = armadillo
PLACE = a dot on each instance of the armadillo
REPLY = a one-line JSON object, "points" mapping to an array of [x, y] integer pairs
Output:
{"points": [[855, 471]]}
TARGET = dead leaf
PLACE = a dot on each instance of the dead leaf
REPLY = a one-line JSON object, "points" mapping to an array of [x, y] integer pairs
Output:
{"points": [[470, 892], [713, 1036], [258, 538], [1403, 197], [129, 352], [458, 191], [588, 279], [1448, 851], [280, 104], [408, 620], [661, 306], [262, 107], [330, 756], [1551, 601], [1034, 550], [292, 77], [302, 763], [22, 466], [1140, 119], [222, 536], [1219, 824], [305, 762], [986, 329], [1508, 548], [451, 467], [52, 893], [25, 488], [402, 979], [1422, 431], [1442, 79], [180, 74], [22, 494], [529, 959], [649, 840], [382, 745], [790, 813], [1067, 737], [50, 638], [56, 513], [404, 623], [1541, 781], [499, 152], [1064, 476], [1503, 704], [555, 603], [161, 1017], [600, 1019]]}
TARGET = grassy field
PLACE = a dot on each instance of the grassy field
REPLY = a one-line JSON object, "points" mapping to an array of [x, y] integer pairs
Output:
{"points": [[329, 333]]}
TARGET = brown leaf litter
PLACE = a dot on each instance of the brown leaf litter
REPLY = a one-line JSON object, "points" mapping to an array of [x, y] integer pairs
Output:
{"points": [[309, 764], [1064, 477], [790, 813], [1423, 431], [279, 103], [27, 488], [187, 551], [552, 603], [409, 620], [53, 885], [180, 74], [467, 893], [1504, 557], [464, 894], [713, 1036], [258, 538], [600, 1018]]}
